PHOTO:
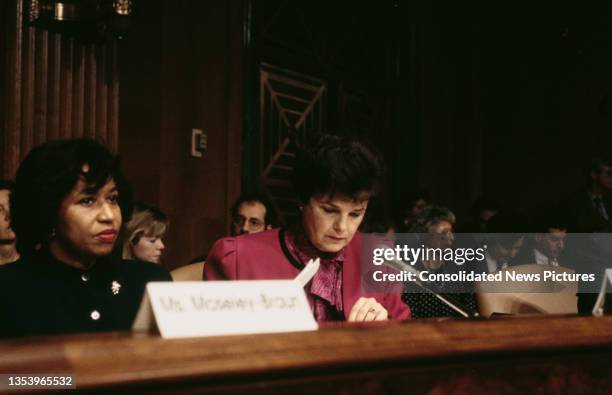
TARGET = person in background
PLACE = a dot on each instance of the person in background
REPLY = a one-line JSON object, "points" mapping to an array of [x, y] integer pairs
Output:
{"points": [[504, 241], [433, 229], [251, 213], [334, 178], [484, 209], [68, 206], [8, 250], [144, 233], [548, 242], [411, 205], [590, 209]]}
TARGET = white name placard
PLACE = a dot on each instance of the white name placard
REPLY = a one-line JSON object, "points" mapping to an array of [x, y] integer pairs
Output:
{"points": [[606, 284], [213, 308]]}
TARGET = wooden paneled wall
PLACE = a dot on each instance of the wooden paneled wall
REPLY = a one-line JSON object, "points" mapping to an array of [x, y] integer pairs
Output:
{"points": [[55, 86], [511, 107], [181, 68]]}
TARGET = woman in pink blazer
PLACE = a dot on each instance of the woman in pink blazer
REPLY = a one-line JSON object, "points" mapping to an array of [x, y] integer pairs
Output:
{"points": [[334, 178]]}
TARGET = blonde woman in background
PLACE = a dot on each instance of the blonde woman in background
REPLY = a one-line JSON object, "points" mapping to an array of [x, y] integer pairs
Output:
{"points": [[144, 233]]}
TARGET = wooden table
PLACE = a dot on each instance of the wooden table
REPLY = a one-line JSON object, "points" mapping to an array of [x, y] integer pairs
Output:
{"points": [[544, 354]]}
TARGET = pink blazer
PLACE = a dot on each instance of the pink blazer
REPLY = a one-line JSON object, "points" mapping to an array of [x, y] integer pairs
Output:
{"points": [[262, 256]]}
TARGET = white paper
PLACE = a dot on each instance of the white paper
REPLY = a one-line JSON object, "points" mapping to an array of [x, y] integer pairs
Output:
{"points": [[213, 308], [598, 309], [308, 272]]}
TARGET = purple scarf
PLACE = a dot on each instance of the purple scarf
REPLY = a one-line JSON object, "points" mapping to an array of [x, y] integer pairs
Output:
{"points": [[325, 294]]}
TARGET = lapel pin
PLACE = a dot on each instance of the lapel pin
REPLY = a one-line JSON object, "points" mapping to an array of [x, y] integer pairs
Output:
{"points": [[115, 287]]}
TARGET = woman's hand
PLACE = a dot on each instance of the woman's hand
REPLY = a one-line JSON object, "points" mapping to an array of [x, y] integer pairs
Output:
{"points": [[368, 309]]}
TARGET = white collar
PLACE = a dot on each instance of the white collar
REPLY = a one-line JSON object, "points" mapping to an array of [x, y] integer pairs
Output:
{"points": [[542, 259]]}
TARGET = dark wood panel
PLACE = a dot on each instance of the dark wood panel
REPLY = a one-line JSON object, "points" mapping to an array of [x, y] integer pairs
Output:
{"points": [[66, 87], [41, 82], [113, 96], [13, 78], [55, 86], [235, 107], [55, 67], [29, 74], [78, 96], [90, 88], [101, 104], [4, 30], [506, 355]]}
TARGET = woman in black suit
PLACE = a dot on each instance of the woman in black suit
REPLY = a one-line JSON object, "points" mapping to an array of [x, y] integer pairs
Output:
{"points": [[68, 206]]}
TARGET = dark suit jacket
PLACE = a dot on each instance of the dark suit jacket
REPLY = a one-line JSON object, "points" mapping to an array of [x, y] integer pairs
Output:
{"points": [[40, 296], [583, 218]]}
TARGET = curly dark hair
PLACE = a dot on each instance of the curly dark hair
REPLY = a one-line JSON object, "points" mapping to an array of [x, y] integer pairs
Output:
{"points": [[595, 165], [48, 174], [336, 165]]}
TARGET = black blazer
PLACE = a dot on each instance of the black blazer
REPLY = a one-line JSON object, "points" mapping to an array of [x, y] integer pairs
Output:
{"points": [[40, 296], [582, 216]]}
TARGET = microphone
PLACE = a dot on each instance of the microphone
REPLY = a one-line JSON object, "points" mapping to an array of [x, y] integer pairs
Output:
{"points": [[446, 299]]}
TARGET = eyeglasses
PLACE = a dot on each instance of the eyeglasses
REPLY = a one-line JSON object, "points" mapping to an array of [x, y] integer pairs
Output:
{"points": [[253, 223]]}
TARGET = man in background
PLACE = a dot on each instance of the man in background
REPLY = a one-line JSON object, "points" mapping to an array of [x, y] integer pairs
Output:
{"points": [[250, 214], [548, 242], [504, 242], [590, 210]]}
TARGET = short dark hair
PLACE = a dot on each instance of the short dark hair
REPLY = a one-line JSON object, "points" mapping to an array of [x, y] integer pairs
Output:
{"points": [[48, 174], [254, 197], [336, 165], [596, 165], [431, 216], [7, 185], [549, 218]]}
